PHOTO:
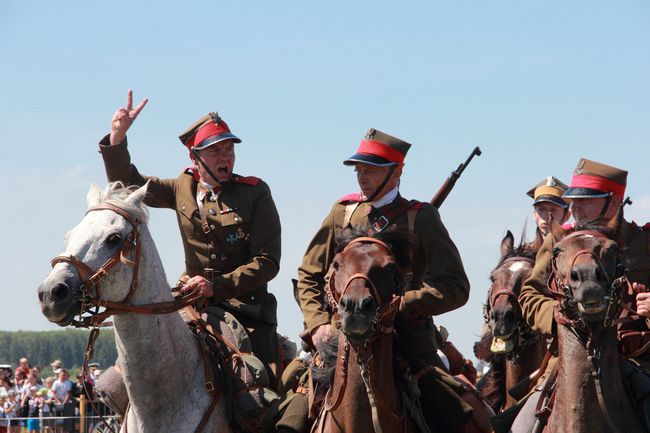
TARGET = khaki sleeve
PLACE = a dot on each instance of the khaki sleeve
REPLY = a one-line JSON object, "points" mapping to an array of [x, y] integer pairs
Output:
{"points": [[311, 274], [537, 307], [265, 249], [117, 162], [445, 286]]}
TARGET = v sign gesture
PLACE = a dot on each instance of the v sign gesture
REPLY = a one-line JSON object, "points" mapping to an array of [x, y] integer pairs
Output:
{"points": [[124, 117]]}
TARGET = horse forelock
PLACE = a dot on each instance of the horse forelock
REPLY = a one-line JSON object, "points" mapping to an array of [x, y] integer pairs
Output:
{"points": [[397, 239], [116, 193]]}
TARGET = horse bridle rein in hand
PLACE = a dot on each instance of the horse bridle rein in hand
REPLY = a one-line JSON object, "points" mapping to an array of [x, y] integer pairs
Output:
{"points": [[90, 279]]}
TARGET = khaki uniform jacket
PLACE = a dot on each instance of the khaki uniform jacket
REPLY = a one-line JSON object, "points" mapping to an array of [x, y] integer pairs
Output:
{"points": [[243, 217], [537, 302], [439, 282]]}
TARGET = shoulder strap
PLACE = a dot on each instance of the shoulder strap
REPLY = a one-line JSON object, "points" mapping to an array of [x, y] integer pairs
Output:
{"points": [[349, 210]]}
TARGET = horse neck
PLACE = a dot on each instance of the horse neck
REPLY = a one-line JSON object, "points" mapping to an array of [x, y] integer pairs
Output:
{"points": [[526, 359], [158, 353], [355, 407], [577, 407]]}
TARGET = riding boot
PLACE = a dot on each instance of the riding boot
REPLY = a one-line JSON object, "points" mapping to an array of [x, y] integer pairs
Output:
{"points": [[639, 386]]}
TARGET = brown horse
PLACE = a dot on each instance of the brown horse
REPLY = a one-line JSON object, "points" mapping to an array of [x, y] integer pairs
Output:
{"points": [[587, 280], [367, 391], [515, 351], [364, 284]]}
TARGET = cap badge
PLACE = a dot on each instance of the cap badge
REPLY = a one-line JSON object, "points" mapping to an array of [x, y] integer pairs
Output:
{"points": [[550, 181], [215, 117], [370, 134]]}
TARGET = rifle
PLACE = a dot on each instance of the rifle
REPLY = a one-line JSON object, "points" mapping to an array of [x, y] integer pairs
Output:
{"points": [[446, 187]]}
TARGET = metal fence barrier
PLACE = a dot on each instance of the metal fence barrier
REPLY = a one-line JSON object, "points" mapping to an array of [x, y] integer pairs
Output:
{"points": [[83, 422]]}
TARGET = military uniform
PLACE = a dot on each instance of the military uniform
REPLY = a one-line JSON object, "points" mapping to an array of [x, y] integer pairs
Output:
{"points": [[590, 179], [438, 285], [243, 219]]}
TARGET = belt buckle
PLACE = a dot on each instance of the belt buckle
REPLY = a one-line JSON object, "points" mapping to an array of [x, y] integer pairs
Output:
{"points": [[381, 223], [208, 273]]}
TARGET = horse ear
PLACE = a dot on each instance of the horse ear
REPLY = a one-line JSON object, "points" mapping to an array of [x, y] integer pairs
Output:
{"points": [[137, 197], [507, 244], [94, 196]]}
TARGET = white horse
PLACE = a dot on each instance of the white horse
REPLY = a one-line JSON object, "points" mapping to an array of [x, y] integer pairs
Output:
{"points": [[161, 362]]}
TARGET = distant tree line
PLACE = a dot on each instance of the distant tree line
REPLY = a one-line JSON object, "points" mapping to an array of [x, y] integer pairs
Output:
{"points": [[43, 347]]}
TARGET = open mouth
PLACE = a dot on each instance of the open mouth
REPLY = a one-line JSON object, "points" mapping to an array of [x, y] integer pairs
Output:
{"points": [[591, 309], [502, 344], [222, 171]]}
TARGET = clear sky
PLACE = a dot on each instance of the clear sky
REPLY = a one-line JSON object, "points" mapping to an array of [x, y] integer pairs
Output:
{"points": [[536, 84]]}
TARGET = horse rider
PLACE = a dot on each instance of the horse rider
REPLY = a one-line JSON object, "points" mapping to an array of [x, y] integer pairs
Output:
{"points": [[596, 196], [228, 224], [548, 205], [438, 283]]}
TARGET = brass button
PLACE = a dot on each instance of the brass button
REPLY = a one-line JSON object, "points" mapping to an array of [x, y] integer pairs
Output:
{"points": [[237, 219], [213, 198], [213, 256], [212, 227], [252, 298], [212, 212]]}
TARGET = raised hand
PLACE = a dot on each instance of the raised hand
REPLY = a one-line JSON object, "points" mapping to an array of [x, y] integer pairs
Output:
{"points": [[124, 117]]}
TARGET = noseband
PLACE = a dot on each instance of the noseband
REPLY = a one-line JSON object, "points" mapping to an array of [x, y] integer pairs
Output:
{"points": [[386, 309], [561, 288], [503, 291], [90, 279]]}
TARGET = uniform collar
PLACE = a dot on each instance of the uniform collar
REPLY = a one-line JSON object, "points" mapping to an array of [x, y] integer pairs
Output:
{"points": [[386, 199]]}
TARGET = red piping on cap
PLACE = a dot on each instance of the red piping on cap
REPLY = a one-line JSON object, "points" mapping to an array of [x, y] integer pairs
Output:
{"points": [[598, 183], [371, 147]]}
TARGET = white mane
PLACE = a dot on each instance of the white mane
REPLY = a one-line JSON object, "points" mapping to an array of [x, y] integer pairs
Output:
{"points": [[115, 194]]}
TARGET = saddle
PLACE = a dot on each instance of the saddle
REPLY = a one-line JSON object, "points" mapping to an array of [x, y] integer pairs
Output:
{"points": [[244, 376]]}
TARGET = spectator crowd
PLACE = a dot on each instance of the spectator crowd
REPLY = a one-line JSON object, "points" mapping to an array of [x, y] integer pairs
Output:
{"points": [[26, 397]]}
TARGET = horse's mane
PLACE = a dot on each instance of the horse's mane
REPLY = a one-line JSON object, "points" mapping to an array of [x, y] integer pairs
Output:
{"points": [[116, 193], [397, 238], [324, 373]]}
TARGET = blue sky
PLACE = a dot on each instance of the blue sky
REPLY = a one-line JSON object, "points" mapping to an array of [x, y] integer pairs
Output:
{"points": [[536, 84]]}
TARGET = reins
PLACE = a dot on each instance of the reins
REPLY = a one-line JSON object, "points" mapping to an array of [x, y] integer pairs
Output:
{"points": [[91, 298], [563, 292], [382, 325]]}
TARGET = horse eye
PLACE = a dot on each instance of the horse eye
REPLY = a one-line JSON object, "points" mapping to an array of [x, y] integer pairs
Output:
{"points": [[556, 252], [113, 239], [335, 265], [574, 276]]}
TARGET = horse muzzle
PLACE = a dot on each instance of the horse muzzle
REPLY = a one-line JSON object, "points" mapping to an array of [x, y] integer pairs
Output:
{"points": [[59, 298]]}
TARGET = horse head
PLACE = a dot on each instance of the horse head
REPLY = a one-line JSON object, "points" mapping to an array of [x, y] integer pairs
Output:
{"points": [[105, 239], [503, 313], [365, 279], [586, 271]]}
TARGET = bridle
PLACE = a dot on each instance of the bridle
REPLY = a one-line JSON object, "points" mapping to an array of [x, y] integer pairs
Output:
{"points": [[90, 279], [563, 292], [91, 298], [385, 314], [383, 324], [504, 291]]}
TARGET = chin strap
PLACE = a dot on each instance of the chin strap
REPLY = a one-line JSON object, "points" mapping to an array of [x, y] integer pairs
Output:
{"points": [[383, 184], [205, 166]]}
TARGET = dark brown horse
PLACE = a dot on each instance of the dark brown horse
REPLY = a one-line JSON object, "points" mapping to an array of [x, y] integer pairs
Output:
{"points": [[587, 280], [512, 348], [364, 287], [364, 284]]}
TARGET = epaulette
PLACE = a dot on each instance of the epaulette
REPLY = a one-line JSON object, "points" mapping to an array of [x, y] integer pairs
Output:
{"points": [[417, 205], [354, 197], [192, 171], [245, 180], [568, 226], [646, 227]]}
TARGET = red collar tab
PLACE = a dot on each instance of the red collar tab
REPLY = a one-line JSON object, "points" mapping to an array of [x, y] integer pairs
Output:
{"points": [[598, 183], [354, 197], [247, 180], [372, 147]]}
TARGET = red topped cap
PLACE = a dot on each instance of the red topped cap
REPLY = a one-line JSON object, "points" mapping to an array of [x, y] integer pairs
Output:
{"points": [[206, 131]]}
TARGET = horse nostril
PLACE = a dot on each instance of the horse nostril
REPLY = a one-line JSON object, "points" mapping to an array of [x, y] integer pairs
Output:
{"points": [[41, 294], [367, 304], [344, 303], [59, 292], [510, 316]]}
